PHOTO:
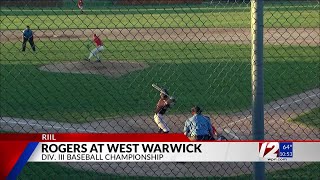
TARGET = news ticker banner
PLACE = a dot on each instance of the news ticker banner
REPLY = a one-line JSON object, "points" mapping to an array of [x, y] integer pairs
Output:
{"points": [[18, 149]]}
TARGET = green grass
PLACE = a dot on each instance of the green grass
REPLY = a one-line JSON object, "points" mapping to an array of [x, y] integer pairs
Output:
{"points": [[149, 9], [106, 6], [310, 171], [311, 118], [151, 51], [216, 18], [54, 171], [217, 77]]}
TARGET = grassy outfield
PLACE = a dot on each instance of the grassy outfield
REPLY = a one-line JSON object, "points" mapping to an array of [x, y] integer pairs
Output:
{"points": [[160, 8], [311, 118], [54, 171], [142, 18], [214, 76], [151, 9]]}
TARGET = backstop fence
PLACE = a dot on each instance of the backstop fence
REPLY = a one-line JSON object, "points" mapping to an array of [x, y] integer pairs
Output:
{"points": [[58, 79]]}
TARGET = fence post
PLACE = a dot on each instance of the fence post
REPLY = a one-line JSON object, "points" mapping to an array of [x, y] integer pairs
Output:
{"points": [[257, 80]]}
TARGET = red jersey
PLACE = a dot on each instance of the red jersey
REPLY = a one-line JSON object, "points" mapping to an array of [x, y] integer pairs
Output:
{"points": [[80, 3], [97, 40]]}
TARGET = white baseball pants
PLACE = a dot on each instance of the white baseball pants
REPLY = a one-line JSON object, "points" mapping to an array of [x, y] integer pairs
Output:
{"points": [[158, 118], [95, 52]]}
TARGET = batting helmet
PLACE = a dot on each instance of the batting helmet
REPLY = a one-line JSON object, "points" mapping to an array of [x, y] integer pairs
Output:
{"points": [[164, 93]]}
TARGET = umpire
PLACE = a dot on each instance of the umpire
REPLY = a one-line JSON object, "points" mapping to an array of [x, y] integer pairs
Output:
{"points": [[198, 127], [28, 36]]}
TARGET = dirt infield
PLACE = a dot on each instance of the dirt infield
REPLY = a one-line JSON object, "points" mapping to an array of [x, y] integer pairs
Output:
{"points": [[108, 68], [286, 36], [234, 126]]}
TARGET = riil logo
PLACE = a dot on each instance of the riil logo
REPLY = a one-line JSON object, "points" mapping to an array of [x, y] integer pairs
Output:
{"points": [[268, 149]]}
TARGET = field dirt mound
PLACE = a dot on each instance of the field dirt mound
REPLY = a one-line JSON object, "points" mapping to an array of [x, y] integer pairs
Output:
{"points": [[106, 68]]}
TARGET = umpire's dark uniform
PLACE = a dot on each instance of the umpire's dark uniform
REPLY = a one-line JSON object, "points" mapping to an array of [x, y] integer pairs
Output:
{"points": [[28, 36]]}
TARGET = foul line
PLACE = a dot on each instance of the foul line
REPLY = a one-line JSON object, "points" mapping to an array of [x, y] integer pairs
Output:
{"points": [[249, 117], [227, 130]]}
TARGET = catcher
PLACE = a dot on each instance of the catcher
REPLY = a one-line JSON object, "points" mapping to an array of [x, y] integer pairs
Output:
{"points": [[164, 103], [218, 136]]}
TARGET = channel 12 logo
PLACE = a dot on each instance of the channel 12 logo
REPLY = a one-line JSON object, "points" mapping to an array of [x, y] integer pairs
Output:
{"points": [[275, 151]]}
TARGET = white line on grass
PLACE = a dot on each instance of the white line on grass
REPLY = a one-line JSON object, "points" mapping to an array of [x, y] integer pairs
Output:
{"points": [[227, 130], [249, 117], [141, 9], [114, 10]]}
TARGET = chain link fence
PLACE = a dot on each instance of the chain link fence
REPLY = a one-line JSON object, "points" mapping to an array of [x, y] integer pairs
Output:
{"points": [[198, 50]]}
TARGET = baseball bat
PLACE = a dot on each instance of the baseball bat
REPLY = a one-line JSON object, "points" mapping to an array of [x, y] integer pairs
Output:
{"points": [[159, 89]]}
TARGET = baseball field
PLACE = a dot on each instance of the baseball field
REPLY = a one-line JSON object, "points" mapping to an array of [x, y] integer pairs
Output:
{"points": [[200, 53]]}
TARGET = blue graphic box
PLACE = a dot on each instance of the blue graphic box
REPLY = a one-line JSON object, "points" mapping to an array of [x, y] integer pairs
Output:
{"points": [[286, 149]]}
